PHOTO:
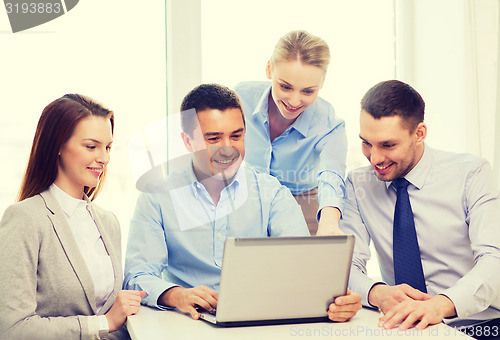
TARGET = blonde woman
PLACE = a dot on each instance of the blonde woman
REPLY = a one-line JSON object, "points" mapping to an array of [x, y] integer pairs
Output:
{"points": [[295, 135]]}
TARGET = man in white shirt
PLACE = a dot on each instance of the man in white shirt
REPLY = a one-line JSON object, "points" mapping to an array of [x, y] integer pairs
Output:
{"points": [[454, 211]]}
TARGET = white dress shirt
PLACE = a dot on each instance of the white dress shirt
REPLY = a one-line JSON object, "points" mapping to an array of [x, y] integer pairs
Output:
{"points": [[456, 211], [89, 242]]}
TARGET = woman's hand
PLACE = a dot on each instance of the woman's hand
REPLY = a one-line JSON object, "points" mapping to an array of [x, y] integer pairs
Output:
{"points": [[127, 303]]}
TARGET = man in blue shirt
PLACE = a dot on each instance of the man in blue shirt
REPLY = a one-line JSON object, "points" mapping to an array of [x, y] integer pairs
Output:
{"points": [[177, 234], [455, 214]]}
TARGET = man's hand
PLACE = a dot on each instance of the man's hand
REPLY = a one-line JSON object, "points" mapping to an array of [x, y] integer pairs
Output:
{"points": [[423, 313], [344, 307], [187, 299], [328, 224], [127, 303], [387, 297]]}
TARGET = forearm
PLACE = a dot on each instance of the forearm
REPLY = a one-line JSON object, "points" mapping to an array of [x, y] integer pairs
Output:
{"points": [[169, 298], [446, 306], [45, 328], [147, 253], [376, 295], [477, 290], [361, 283], [285, 216], [331, 191], [479, 287], [153, 285]]}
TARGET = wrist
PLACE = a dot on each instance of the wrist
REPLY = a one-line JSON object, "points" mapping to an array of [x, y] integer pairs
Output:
{"points": [[330, 214], [374, 294], [169, 297], [446, 306]]}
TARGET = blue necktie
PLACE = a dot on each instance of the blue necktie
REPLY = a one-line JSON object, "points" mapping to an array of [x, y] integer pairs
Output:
{"points": [[406, 253]]}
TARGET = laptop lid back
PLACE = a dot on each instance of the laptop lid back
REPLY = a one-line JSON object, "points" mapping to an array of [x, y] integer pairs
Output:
{"points": [[277, 278]]}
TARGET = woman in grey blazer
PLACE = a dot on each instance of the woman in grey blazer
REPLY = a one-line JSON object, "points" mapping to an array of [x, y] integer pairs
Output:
{"points": [[60, 254]]}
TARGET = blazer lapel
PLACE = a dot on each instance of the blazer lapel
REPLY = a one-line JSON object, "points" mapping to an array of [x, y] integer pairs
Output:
{"points": [[70, 247]]}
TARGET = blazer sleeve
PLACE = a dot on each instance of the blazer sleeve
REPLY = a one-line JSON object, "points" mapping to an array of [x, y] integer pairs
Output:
{"points": [[21, 240]]}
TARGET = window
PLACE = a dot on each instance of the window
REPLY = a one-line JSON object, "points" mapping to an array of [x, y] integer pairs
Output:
{"points": [[238, 38]]}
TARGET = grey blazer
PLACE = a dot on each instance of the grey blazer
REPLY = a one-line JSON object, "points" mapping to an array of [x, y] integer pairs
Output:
{"points": [[46, 291]]}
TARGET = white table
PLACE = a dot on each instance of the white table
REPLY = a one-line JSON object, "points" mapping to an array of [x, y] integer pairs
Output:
{"points": [[151, 324]]}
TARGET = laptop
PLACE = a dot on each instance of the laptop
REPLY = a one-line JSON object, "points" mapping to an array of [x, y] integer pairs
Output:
{"points": [[274, 280]]}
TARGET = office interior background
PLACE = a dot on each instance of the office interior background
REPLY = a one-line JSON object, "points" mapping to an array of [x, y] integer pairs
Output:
{"points": [[141, 58]]}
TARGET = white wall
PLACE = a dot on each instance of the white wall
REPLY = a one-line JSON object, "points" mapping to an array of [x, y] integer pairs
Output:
{"points": [[438, 68], [454, 67]]}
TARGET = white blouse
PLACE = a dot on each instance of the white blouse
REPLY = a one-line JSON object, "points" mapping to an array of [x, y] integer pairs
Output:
{"points": [[89, 242]]}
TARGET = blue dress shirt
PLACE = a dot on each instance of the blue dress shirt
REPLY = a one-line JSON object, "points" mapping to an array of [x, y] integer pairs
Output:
{"points": [[177, 234], [456, 210], [310, 153]]}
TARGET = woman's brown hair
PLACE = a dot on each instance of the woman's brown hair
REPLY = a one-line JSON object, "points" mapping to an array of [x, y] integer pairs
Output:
{"points": [[55, 127]]}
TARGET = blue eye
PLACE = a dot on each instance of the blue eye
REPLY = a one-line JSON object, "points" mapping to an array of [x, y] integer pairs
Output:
{"points": [[285, 87]]}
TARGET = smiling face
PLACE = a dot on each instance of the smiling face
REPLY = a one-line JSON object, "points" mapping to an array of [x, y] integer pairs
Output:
{"points": [[85, 154], [218, 143], [390, 147], [295, 86]]}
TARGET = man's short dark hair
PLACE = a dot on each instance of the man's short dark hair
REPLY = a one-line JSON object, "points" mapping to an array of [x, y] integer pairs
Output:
{"points": [[207, 97], [395, 98]]}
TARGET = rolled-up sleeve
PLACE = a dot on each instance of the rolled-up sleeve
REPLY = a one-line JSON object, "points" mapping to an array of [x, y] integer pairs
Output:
{"points": [[332, 149]]}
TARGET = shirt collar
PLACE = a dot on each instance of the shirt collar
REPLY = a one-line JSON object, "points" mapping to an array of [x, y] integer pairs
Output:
{"points": [[262, 106], [68, 203], [303, 121], [418, 174], [301, 124], [232, 187]]}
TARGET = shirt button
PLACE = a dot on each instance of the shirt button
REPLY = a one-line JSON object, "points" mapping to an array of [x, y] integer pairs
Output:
{"points": [[198, 185], [219, 235], [212, 207]]}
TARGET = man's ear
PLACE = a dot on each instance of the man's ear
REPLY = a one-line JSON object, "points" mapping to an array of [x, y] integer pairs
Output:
{"points": [[187, 141], [421, 132], [268, 70]]}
